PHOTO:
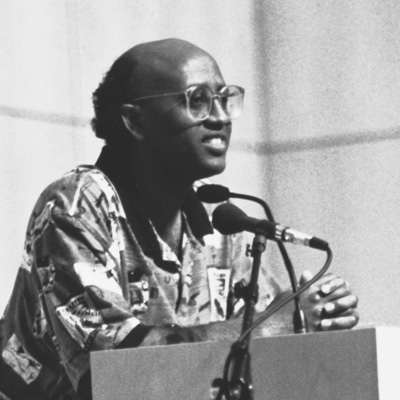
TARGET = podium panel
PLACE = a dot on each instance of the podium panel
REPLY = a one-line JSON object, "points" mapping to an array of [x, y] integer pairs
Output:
{"points": [[361, 364]]}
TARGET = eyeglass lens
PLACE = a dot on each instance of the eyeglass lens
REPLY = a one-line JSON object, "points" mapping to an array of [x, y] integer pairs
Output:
{"points": [[200, 102]]}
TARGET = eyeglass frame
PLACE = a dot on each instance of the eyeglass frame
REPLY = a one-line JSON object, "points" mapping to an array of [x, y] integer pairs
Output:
{"points": [[187, 93]]}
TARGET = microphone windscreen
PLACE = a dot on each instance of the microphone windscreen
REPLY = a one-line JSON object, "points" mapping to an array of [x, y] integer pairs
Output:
{"points": [[228, 219], [213, 193]]}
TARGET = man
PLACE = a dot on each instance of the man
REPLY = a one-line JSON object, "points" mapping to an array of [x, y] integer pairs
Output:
{"points": [[123, 254]]}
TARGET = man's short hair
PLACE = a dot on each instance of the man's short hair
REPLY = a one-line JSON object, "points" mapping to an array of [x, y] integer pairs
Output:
{"points": [[108, 99]]}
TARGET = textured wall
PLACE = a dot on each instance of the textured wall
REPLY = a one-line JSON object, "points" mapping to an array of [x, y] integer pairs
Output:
{"points": [[319, 137]]}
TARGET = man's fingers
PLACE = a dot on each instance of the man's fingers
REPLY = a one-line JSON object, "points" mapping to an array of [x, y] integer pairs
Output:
{"points": [[333, 284], [342, 304], [338, 294], [307, 275], [347, 322]]}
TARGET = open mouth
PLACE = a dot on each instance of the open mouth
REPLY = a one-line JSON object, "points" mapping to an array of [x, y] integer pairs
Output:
{"points": [[217, 144]]}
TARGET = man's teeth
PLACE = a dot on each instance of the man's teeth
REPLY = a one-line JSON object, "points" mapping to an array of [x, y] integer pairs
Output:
{"points": [[216, 142]]}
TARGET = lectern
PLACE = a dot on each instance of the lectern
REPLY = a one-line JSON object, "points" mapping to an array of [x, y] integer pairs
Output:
{"points": [[360, 364]]}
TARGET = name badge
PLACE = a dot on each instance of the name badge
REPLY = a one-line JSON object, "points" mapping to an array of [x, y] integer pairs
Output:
{"points": [[218, 281]]}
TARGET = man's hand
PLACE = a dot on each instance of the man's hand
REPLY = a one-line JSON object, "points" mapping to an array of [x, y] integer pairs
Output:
{"points": [[329, 303]]}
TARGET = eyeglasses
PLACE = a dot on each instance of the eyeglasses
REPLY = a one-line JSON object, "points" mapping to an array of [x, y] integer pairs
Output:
{"points": [[200, 99]]}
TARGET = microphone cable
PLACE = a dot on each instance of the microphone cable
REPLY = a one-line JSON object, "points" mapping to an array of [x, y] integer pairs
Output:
{"points": [[224, 388]]}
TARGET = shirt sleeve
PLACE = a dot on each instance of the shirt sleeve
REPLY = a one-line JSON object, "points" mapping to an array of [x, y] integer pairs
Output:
{"points": [[76, 249]]}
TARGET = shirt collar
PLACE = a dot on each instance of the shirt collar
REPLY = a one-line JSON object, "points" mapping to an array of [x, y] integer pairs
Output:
{"points": [[113, 166]]}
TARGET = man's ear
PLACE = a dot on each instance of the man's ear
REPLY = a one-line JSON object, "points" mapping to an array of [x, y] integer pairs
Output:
{"points": [[131, 117]]}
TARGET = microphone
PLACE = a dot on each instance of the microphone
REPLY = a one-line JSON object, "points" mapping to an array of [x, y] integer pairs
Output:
{"points": [[229, 219], [213, 193]]}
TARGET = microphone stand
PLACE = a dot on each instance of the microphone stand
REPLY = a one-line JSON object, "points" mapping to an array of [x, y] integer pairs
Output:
{"points": [[240, 386], [299, 319]]}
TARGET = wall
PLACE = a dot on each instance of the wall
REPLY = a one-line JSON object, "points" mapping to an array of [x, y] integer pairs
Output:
{"points": [[319, 137]]}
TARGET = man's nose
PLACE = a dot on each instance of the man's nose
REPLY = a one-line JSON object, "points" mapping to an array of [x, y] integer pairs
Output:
{"points": [[217, 113]]}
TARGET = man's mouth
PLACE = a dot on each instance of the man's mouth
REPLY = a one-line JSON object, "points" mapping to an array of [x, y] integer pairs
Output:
{"points": [[216, 144]]}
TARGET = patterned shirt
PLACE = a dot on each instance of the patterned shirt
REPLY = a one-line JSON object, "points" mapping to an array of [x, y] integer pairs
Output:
{"points": [[90, 275]]}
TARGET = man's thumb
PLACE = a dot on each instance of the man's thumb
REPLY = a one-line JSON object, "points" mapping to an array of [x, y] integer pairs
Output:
{"points": [[306, 276]]}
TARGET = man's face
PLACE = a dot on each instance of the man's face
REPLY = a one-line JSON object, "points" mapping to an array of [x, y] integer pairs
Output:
{"points": [[178, 144]]}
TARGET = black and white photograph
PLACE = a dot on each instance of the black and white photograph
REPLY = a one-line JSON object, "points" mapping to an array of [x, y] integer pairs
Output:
{"points": [[199, 200]]}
